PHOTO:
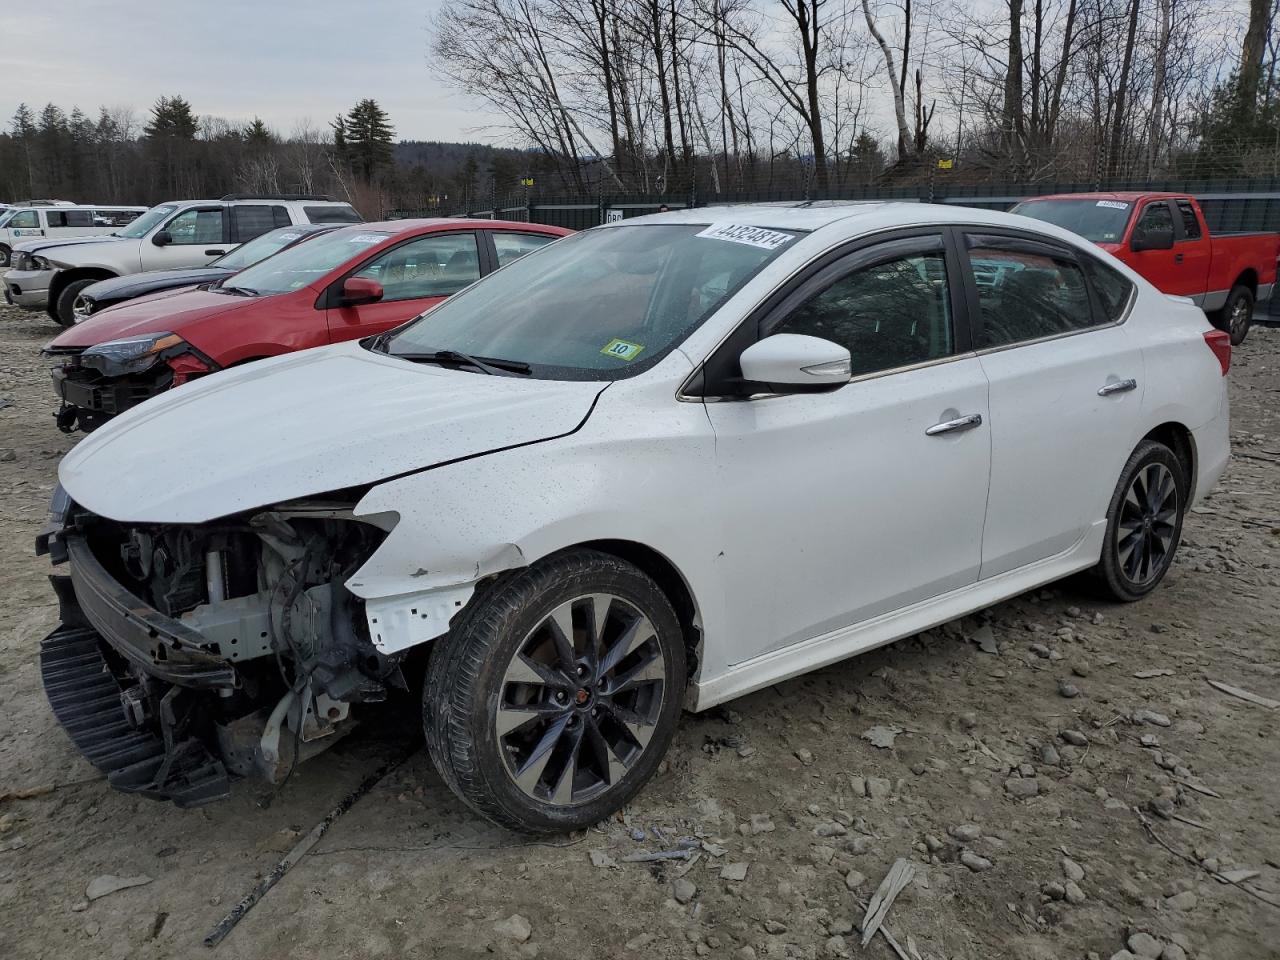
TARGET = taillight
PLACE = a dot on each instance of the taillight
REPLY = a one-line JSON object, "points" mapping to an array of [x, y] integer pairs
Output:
{"points": [[1219, 342]]}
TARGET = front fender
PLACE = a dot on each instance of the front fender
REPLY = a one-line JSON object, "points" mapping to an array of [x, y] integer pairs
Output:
{"points": [[460, 523]]}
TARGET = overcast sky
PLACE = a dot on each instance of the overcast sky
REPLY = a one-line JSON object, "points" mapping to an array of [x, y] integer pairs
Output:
{"points": [[282, 60]]}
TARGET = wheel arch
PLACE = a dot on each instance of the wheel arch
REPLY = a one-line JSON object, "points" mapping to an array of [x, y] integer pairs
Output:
{"points": [[64, 277], [1249, 279], [1180, 440], [670, 581]]}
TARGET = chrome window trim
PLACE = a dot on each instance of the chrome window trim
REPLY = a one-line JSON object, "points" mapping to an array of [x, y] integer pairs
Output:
{"points": [[1124, 316]]}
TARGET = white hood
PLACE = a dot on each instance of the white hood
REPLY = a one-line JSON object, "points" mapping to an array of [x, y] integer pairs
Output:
{"points": [[305, 424]]}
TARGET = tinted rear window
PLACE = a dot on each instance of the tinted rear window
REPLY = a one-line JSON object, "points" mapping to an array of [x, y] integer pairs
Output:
{"points": [[335, 214]]}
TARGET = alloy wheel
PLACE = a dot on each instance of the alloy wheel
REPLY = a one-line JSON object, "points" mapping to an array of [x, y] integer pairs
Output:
{"points": [[1147, 524], [580, 699], [82, 308]]}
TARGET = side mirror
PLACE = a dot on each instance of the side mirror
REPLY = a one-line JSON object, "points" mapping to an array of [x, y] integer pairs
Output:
{"points": [[358, 290], [162, 238], [1149, 239], [793, 363]]}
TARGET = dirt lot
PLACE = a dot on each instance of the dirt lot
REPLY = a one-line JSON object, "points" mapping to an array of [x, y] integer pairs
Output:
{"points": [[980, 789]]}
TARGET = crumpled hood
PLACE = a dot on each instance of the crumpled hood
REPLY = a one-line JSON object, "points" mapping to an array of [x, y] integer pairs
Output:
{"points": [[165, 312], [305, 424], [135, 284]]}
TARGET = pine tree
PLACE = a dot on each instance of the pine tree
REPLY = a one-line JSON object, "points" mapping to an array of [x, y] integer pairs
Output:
{"points": [[258, 134], [172, 118], [367, 134], [23, 127], [171, 135], [467, 178]]}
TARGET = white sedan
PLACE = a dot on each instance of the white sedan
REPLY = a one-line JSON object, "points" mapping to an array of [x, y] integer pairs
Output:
{"points": [[654, 465]]}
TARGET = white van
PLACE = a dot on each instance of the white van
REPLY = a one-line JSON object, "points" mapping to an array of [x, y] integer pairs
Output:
{"points": [[54, 222]]}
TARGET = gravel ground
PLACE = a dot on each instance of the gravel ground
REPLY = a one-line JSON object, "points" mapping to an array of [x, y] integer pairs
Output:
{"points": [[1017, 806]]}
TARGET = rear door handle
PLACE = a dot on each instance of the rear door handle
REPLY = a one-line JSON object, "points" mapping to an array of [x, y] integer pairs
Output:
{"points": [[1177, 258], [952, 426], [1119, 386]]}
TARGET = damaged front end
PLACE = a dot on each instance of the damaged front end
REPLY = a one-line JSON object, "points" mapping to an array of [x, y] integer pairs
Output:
{"points": [[188, 654], [104, 380]]}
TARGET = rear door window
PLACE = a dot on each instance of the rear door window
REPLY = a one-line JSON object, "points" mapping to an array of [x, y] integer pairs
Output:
{"points": [[1112, 288], [1026, 290], [513, 246], [251, 221]]}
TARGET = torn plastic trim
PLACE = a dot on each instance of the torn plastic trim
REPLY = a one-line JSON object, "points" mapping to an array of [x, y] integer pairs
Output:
{"points": [[402, 620]]}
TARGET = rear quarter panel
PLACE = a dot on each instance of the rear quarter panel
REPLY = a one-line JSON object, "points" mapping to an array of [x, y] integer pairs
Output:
{"points": [[1234, 255], [1185, 384]]}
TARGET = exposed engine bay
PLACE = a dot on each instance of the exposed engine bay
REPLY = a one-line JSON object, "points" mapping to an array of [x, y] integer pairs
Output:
{"points": [[235, 646]]}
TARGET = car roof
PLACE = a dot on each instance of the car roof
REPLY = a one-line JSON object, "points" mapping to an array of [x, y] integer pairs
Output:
{"points": [[258, 202], [1129, 196], [802, 215], [427, 224], [833, 221]]}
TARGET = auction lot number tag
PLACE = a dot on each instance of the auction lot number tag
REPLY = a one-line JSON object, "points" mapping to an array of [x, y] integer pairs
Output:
{"points": [[1113, 204], [751, 236]]}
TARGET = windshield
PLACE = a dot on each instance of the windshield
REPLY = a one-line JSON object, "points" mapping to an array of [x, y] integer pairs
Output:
{"points": [[259, 248], [1098, 221], [598, 305], [142, 226], [305, 263]]}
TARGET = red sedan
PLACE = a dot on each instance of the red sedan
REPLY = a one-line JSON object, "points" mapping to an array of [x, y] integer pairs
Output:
{"points": [[351, 283]]}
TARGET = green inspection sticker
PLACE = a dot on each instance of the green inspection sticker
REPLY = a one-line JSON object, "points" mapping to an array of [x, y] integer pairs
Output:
{"points": [[622, 349]]}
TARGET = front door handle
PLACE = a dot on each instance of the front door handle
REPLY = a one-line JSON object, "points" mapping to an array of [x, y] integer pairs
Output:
{"points": [[214, 253], [1177, 258], [1119, 386], [952, 426]]}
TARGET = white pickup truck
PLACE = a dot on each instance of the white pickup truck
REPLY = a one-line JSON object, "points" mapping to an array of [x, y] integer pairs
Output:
{"points": [[59, 220], [48, 274]]}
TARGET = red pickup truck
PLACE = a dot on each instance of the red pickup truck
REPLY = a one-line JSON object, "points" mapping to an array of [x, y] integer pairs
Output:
{"points": [[1163, 236]]}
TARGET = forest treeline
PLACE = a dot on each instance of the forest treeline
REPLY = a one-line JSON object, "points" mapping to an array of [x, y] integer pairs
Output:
{"points": [[721, 96]]}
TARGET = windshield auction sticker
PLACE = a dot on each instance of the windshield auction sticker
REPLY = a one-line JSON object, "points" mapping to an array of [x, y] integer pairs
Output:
{"points": [[751, 236], [366, 238], [622, 349], [1113, 204]]}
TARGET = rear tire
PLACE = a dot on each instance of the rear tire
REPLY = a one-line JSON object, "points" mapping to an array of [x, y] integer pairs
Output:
{"points": [[5, 254], [1144, 523], [543, 728], [64, 310], [1236, 315]]}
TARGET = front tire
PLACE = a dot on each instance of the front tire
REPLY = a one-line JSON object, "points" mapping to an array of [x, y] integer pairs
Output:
{"points": [[553, 699], [5, 255], [64, 310], [1144, 523], [1236, 315]]}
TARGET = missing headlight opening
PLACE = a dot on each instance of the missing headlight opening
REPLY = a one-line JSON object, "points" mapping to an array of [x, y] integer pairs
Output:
{"points": [[234, 646]]}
